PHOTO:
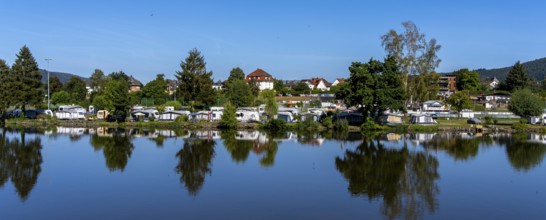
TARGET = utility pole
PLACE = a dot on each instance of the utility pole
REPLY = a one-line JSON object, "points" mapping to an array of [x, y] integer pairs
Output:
{"points": [[47, 60]]}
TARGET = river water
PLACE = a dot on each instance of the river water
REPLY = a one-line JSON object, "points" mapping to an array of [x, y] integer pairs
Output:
{"points": [[77, 173]]}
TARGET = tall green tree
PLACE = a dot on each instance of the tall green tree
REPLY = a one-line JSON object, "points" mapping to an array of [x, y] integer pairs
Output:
{"points": [[517, 78], [27, 86], [97, 80], [5, 83], [301, 88], [467, 80], [195, 82], [254, 87], [118, 94], [411, 51], [239, 94], [76, 88], [278, 86], [157, 90], [55, 84], [376, 87], [459, 101], [236, 73], [61, 97], [525, 103]]}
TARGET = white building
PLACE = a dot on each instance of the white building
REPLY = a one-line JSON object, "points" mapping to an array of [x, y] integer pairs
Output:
{"points": [[264, 79]]}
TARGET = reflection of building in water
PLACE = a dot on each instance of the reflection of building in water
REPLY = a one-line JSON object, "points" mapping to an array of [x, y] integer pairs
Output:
{"points": [[144, 133], [422, 137], [392, 137], [206, 135], [537, 138], [311, 139], [252, 136], [287, 136], [70, 131]]}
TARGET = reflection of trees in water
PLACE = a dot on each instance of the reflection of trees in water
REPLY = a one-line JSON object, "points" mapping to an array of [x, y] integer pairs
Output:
{"points": [[240, 149], [195, 161], [405, 180], [461, 148], [20, 161], [117, 148], [523, 154]]}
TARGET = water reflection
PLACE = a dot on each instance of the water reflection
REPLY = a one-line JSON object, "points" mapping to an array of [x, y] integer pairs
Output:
{"points": [[194, 162], [405, 180], [20, 162], [525, 151], [240, 143], [116, 145]]}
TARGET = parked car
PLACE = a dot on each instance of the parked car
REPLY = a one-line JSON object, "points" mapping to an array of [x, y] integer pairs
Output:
{"points": [[473, 121]]}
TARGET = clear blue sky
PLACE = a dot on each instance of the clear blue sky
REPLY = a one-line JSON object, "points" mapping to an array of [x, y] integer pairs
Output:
{"points": [[289, 39]]}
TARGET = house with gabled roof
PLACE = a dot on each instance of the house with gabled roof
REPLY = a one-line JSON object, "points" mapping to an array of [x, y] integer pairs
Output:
{"points": [[318, 84], [338, 81], [134, 84], [264, 79]]}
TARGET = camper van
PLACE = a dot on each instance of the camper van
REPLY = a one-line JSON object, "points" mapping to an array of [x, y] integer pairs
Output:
{"points": [[247, 115], [70, 112], [102, 114]]}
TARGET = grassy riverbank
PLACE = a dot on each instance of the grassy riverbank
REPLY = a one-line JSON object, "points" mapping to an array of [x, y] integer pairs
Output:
{"points": [[501, 125]]}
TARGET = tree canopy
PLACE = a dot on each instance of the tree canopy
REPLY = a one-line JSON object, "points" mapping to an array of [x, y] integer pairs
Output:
{"points": [[239, 93], [459, 101], [27, 85], [468, 80], [76, 88], [525, 103], [156, 89], [195, 82], [375, 87], [236, 73], [411, 51], [517, 78]]}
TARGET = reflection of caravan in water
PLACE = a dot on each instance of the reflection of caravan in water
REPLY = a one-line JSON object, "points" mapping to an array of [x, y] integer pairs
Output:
{"points": [[70, 131], [70, 112], [252, 136], [208, 135], [417, 138]]}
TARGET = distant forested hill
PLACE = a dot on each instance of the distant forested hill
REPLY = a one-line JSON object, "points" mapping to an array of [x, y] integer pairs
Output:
{"points": [[64, 77], [535, 69]]}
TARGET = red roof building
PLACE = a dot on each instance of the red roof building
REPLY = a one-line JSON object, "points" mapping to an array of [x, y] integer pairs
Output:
{"points": [[264, 79]]}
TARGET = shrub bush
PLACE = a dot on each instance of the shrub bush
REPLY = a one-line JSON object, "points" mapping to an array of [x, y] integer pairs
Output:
{"points": [[275, 125], [488, 120], [327, 123], [181, 118], [341, 125], [370, 125]]}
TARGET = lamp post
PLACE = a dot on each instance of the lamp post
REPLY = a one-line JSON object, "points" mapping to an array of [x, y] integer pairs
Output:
{"points": [[47, 60]]}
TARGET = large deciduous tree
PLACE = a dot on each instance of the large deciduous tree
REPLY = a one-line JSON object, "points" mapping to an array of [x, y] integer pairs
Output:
{"points": [[517, 78], [375, 87], [27, 86], [195, 82], [459, 101], [411, 51], [55, 84], [239, 93], [118, 95], [156, 89], [467, 80], [424, 87], [236, 73], [525, 103], [97, 80], [76, 88]]}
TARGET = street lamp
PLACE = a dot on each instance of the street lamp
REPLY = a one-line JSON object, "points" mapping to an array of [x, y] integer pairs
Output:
{"points": [[47, 60]]}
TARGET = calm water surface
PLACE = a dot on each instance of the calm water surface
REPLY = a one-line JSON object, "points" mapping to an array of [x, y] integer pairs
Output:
{"points": [[139, 174]]}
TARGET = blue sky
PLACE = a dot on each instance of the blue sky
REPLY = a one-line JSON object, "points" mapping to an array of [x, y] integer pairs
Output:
{"points": [[289, 39]]}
